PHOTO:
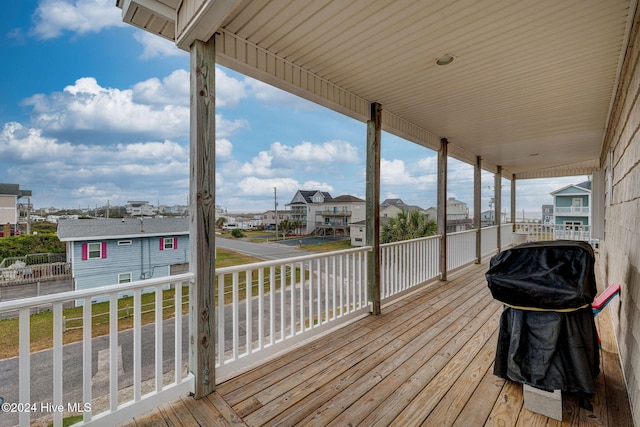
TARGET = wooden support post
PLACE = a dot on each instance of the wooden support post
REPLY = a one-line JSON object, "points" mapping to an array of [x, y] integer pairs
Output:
{"points": [[374, 135], [477, 207], [498, 204], [202, 216], [513, 202], [442, 206]]}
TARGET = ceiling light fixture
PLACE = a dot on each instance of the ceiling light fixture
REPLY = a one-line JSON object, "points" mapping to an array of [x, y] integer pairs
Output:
{"points": [[445, 59]]}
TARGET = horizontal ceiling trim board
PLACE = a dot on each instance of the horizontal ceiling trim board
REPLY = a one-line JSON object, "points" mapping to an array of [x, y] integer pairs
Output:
{"points": [[409, 131], [249, 59]]}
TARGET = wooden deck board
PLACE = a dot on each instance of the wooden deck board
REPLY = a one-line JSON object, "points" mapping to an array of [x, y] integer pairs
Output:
{"points": [[427, 360]]}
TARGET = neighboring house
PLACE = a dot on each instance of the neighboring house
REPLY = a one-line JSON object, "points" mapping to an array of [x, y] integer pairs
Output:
{"points": [[358, 231], [268, 219], [571, 205], [304, 207], [140, 208], [338, 213], [9, 212], [390, 211], [398, 204], [109, 251], [457, 215], [547, 214]]}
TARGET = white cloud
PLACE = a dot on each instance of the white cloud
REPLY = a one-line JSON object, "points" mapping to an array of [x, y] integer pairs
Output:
{"points": [[88, 106], [223, 148], [20, 143], [154, 46], [171, 90], [61, 171], [326, 152], [286, 187], [268, 94], [53, 17], [229, 90], [260, 165], [253, 186]]}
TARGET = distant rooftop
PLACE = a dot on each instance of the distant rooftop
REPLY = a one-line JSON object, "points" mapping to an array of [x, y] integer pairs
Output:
{"points": [[13, 190]]}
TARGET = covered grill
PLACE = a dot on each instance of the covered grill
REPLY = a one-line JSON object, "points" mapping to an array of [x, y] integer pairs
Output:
{"points": [[547, 336]]}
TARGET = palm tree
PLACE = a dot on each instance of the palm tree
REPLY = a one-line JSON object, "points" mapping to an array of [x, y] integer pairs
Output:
{"points": [[220, 222], [405, 226]]}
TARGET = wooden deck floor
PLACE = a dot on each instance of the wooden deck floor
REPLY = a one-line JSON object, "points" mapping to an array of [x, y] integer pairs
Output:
{"points": [[427, 360]]}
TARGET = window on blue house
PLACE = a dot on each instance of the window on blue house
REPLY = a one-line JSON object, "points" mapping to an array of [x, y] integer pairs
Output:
{"points": [[168, 243], [124, 277], [95, 250]]}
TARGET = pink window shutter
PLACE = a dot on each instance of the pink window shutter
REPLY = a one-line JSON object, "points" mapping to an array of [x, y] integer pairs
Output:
{"points": [[85, 252], [175, 243], [161, 244], [104, 249]]}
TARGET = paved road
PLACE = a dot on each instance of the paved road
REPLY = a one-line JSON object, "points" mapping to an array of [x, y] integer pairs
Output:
{"points": [[266, 251]]}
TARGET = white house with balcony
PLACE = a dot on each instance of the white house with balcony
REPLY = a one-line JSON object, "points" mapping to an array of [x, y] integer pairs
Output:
{"points": [[572, 206]]}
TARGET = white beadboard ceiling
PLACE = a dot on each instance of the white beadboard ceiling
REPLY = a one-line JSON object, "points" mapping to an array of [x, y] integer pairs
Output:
{"points": [[530, 89]]}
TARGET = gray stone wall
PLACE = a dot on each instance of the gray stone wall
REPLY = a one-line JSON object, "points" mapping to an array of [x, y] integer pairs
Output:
{"points": [[620, 250]]}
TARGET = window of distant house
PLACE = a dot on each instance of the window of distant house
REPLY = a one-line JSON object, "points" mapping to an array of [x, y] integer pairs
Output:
{"points": [[124, 277], [95, 250], [124, 242], [168, 243]]}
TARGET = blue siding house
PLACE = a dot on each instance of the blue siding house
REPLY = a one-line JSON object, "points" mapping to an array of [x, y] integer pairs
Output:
{"points": [[572, 205], [109, 251]]}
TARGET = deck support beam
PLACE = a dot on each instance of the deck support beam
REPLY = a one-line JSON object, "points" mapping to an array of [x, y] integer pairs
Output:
{"points": [[477, 207], [202, 243], [374, 136], [513, 201], [442, 205]]}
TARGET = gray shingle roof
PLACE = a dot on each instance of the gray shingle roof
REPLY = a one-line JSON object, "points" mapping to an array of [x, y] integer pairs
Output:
{"points": [[96, 229]]}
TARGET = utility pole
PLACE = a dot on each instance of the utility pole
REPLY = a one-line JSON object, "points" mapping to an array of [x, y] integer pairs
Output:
{"points": [[275, 205]]}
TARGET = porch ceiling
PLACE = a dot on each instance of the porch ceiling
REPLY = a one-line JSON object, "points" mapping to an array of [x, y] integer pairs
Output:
{"points": [[530, 88]]}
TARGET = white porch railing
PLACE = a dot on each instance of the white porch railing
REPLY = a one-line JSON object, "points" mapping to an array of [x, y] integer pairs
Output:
{"points": [[406, 264], [538, 232], [461, 249], [104, 395], [572, 210], [287, 302]]}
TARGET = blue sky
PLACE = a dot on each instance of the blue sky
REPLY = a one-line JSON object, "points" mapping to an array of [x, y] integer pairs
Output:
{"points": [[93, 111]]}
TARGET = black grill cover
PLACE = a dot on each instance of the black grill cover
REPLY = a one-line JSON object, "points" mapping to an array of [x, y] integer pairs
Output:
{"points": [[546, 349], [549, 275]]}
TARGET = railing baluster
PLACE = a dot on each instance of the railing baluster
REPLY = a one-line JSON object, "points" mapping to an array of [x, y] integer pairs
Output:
{"points": [[86, 356], [248, 311], [235, 311], [57, 362], [158, 340], [272, 304], [137, 345], [177, 350], [220, 320], [24, 360], [304, 314], [113, 351], [261, 322]]}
